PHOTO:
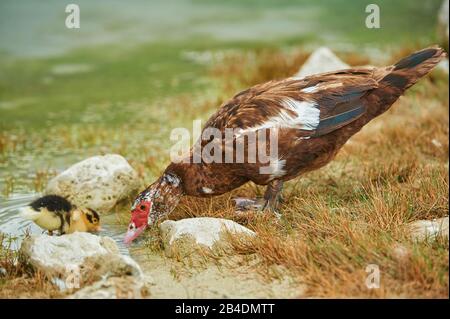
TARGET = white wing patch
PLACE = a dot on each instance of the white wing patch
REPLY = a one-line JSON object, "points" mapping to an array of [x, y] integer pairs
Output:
{"points": [[306, 117], [207, 190], [320, 87], [308, 114], [275, 169], [310, 89]]}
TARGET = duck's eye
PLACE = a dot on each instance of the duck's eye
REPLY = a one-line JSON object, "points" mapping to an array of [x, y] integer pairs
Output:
{"points": [[142, 207]]}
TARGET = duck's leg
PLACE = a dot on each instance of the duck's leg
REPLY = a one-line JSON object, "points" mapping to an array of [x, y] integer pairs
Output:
{"points": [[269, 202], [245, 204], [272, 196]]}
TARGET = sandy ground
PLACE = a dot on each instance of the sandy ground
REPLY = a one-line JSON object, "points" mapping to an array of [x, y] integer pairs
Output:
{"points": [[168, 278]]}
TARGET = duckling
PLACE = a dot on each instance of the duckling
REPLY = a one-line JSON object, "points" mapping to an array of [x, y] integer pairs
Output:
{"points": [[84, 220], [55, 213]]}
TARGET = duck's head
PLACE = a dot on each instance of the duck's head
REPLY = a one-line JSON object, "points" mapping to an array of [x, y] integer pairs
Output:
{"points": [[155, 202], [140, 218], [84, 219], [93, 220]]}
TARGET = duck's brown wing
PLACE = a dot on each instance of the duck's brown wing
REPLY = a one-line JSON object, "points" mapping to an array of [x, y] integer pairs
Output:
{"points": [[314, 105]]}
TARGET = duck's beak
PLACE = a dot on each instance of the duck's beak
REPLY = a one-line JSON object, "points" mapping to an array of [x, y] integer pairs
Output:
{"points": [[132, 234], [98, 229]]}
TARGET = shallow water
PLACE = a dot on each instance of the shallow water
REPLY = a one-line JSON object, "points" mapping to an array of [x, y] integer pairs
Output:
{"points": [[37, 29], [12, 224]]}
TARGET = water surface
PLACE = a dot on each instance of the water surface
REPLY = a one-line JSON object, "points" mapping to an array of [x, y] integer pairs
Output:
{"points": [[17, 227]]}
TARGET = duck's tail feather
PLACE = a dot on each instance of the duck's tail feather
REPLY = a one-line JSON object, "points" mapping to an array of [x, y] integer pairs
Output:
{"points": [[29, 213], [409, 70]]}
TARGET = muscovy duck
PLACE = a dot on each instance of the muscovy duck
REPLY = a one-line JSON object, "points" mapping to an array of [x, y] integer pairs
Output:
{"points": [[313, 117]]}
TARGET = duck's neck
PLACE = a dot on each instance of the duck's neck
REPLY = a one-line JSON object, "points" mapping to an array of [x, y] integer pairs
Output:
{"points": [[166, 193], [192, 175]]}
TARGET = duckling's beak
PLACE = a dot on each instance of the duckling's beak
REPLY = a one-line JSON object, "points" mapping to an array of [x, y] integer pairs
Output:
{"points": [[98, 229]]}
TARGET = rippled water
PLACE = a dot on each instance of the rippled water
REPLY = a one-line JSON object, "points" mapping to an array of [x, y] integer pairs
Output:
{"points": [[31, 28], [12, 224]]}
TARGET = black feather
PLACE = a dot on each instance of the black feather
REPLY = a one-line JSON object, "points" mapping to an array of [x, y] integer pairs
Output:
{"points": [[96, 215], [331, 123], [52, 203], [415, 59], [396, 80]]}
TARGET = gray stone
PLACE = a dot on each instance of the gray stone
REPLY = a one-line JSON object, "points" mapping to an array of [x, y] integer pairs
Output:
{"points": [[187, 235], [443, 66], [98, 182], [127, 287], [422, 230], [320, 61], [91, 257]]}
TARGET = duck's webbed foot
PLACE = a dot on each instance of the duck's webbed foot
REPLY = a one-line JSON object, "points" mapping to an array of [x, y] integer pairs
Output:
{"points": [[269, 202], [247, 204]]}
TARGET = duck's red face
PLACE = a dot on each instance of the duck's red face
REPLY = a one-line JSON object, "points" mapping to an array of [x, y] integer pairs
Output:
{"points": [[139, 220], [152, 204]]}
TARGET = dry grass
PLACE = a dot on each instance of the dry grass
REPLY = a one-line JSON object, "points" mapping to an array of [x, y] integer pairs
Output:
{"points": [[239, 71], [353, 212], [18, 280]]}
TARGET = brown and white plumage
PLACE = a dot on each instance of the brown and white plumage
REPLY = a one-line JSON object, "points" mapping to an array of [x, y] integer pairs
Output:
{"points": [[313, 116], [343, 102], [55, 213]]}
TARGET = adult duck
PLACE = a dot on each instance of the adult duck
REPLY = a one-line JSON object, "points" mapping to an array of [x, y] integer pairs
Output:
{"points": [[313, 117]]}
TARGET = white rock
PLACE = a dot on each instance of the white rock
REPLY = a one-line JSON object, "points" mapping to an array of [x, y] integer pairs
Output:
{"points": [[429, 229], [91, 257], [320, 61], [202, 231], [112, 288], [443, 66], [98, 182]]}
